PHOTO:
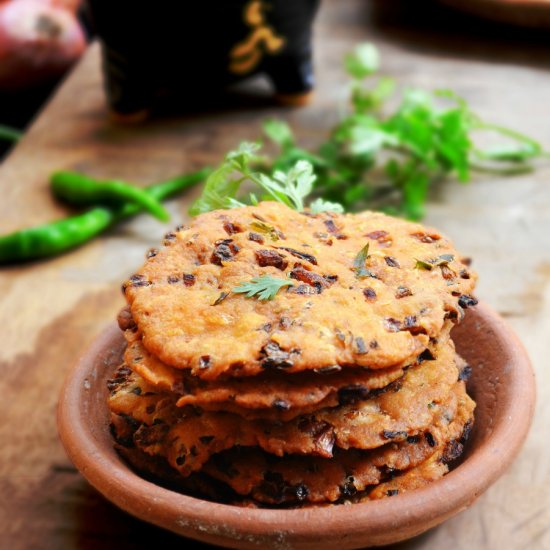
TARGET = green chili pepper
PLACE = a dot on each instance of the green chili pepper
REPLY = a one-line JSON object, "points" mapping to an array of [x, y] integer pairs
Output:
{"points": [[9, 134], [80, 190], [57, 237]]}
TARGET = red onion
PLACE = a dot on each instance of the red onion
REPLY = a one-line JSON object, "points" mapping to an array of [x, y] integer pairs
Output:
{"points": [[38, 41]]}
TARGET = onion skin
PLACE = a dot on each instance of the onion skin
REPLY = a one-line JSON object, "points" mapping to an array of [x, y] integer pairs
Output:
{"points": [[69, 5], [38, 42]]}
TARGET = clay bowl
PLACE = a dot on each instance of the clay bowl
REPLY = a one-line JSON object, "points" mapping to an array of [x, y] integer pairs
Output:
{"points": [[502, 383]]}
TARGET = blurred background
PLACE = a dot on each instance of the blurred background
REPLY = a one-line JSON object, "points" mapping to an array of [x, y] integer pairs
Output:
{"points": [[40, 40]]}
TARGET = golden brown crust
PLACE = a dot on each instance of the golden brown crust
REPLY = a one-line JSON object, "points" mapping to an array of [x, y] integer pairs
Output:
{"points": [[436, 466], [287, 396], [401, 411], [299, 481], [131, 397], [157, 468], [269, 395], [420, 476], [377, 321], [316, 480], [391, 416]]}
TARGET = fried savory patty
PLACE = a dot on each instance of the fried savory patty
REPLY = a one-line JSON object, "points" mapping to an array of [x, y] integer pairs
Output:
{"points": [[428, 471], [270, 395], [131, 396], [272, 480], [189, 439], [425, 473], [402, 471], [285, 395], [394, 415], [157, 469], [378, 313]]}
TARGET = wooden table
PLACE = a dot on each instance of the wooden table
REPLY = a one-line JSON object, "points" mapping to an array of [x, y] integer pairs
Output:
{"points": [[51, 310]]}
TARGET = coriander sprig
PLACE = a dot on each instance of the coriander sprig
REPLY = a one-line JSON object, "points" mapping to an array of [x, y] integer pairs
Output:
{"points": [[388, 160], [372, 158], [222, 186], [290, 187], [262, 288]]}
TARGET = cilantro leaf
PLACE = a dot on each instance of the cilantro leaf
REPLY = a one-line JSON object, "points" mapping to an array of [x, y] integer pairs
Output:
{"points": [[320, 205], [363, 61], [511, 157], [218, 192], [281, 135], [221, 187], [262, 288], [389, 160], [279, 132], [241, 158], [376, 158], [370, 99], [367, 137], [290, 188]]}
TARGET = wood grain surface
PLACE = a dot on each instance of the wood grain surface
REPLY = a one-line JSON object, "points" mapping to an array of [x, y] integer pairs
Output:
{"points": [[51, 310]]}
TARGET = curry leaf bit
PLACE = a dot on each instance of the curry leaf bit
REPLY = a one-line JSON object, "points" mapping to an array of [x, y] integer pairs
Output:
{"points": [[428, 265], [359, 263], [262, 288], [220, 298], [265, 228]]}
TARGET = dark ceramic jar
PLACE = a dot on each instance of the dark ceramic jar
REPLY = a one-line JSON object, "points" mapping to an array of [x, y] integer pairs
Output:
{"points": [[193, 48]]}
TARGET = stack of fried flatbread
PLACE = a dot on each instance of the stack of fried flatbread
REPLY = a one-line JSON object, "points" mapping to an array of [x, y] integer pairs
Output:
{"points": [[332, 379]]}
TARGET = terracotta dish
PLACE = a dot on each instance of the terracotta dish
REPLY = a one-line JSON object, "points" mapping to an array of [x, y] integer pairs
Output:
{"points": [[502, 384], [528, 13]]}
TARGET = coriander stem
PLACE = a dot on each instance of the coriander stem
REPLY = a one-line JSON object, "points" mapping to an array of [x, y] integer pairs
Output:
{"points": [[509, 133], [504, 171]]}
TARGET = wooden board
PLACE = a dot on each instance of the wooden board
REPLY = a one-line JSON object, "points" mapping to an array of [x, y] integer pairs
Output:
{"points": [[50, 311]]}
